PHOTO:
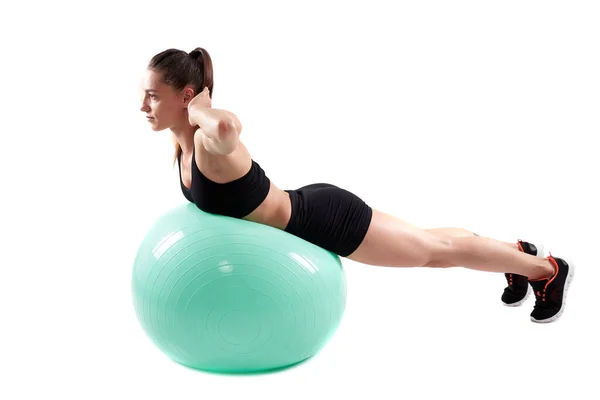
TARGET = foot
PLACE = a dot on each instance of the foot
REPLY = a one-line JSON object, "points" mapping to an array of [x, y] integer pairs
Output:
{"points": [[551, 294], [518, 289]]}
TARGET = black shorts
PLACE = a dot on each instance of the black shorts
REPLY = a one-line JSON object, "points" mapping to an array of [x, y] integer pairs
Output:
{"points": [[329, 217]]}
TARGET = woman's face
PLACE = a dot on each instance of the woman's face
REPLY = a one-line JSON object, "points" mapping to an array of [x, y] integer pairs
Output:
{"points": [[164, 107]]}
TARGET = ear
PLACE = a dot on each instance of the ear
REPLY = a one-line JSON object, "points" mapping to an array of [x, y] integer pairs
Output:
{"points": [[188, 95]]}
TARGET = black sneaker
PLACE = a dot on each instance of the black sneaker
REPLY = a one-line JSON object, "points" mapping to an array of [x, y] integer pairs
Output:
{"points": [[551, 294], [518, 289]]}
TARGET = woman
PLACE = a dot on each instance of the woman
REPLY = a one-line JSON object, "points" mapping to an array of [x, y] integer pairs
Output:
{"points": [[218, 174]]}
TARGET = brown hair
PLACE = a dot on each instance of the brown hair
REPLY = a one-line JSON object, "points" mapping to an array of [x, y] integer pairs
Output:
{"points": [[179, 69]]}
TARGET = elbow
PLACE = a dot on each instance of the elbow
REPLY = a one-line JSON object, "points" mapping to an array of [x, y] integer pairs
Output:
{"points": [[237, 124], [234, 122], [228, 130], [228, 135]]}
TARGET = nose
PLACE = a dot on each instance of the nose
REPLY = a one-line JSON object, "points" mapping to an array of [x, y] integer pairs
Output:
{"points": [[144, 100]]}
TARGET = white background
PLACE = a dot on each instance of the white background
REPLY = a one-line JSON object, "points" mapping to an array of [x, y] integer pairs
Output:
{"points": [[482, 115]]}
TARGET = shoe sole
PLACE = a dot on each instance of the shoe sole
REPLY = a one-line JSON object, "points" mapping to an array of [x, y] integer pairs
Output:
{"points": [[523, 300], [564, 300]]}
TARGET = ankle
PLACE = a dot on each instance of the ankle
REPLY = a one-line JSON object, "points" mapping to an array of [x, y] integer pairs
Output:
{"points": [[544, 270]]}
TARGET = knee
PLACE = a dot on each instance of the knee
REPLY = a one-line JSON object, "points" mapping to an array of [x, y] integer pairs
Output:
{"points": [[440, 253]]}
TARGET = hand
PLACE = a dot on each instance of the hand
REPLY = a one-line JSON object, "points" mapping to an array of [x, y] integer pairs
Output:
{"points": [[201, 100]]}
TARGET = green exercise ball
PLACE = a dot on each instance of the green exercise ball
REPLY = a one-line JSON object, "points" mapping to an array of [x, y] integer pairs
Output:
{"points": [[221, 294]]}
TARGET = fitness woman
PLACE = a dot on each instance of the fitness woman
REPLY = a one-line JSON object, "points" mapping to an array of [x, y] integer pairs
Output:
{"points": [[219, 176]]}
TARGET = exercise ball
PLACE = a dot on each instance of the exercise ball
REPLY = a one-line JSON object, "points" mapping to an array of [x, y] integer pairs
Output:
{"points": [[221, 294]]}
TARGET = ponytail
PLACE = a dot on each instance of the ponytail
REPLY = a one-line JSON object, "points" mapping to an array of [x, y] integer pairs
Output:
{"points": [[204, 61]]}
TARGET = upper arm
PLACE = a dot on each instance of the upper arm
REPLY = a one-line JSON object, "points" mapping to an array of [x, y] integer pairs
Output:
{"points": [[224, 137], [216, 146]]}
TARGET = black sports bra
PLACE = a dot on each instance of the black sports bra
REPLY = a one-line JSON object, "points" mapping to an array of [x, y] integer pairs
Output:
{"points": [[236, 199]]}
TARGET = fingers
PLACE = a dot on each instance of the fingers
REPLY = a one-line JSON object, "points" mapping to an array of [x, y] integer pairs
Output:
{"points": [[207, 99]]}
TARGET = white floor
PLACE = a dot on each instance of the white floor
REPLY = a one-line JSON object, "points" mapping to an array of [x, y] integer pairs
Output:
{"points": [[442, 113]]}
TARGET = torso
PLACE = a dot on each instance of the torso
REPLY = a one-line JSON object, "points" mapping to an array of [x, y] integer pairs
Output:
{"points": [[275, 210]]}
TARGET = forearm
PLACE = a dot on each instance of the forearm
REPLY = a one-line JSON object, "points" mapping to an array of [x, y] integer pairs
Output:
{"points": [[216, 124]]}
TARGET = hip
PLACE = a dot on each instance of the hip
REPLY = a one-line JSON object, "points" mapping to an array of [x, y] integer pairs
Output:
{"points": [[329, 216]]}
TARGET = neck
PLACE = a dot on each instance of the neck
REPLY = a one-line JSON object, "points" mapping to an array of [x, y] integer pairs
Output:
{"points": [[184, 135]]}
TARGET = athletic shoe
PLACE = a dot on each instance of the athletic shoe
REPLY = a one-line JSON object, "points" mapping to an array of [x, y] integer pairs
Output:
{"points": [[551, 293], [518, 289]]}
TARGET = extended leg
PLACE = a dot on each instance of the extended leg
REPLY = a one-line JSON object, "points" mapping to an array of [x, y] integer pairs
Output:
{"points": [[395, 243]]}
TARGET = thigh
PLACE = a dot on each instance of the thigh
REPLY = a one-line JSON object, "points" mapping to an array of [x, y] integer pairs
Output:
{"points": [[392, 242]]}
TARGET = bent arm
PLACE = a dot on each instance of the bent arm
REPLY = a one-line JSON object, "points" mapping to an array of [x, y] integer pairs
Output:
{"points": [[221, 128]]}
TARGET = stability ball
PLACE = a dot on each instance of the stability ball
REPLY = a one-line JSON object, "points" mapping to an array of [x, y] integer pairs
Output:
{"points": [[221, 294]]}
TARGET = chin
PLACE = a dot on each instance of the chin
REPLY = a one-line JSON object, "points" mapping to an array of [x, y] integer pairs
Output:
{"points": [[157, 128]]}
